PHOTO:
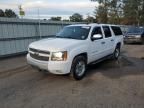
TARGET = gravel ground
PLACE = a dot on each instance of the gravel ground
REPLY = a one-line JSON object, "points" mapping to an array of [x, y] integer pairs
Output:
{"points": [[110, 84]]}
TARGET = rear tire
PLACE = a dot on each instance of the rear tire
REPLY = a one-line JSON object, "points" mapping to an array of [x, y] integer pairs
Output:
{"points": [[78, 69], [116, 53]]}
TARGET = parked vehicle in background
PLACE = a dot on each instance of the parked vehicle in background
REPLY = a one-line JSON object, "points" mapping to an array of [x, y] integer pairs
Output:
{"points": [[75, 47], [134, 35]]}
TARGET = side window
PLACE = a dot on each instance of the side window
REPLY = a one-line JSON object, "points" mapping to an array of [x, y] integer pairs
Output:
{"points": [[117, 31], [107, 31], [96, 30]]}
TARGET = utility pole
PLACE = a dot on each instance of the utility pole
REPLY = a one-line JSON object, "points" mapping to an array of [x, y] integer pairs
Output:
{"points": [[39, 23]]}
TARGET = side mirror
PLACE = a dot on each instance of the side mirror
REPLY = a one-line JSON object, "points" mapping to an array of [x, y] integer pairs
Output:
{"points": [[96, 36]]}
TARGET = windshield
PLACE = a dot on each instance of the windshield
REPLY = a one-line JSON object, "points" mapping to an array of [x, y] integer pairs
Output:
{"points": [[74, 32], [135, 30]]}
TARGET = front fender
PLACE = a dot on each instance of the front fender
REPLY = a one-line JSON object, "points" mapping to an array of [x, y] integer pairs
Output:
{"points": [[78, 50]]}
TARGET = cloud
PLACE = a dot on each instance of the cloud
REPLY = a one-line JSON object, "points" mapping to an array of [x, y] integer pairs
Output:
{"points": [[65, 5], [52, 7], [61, 8], [8, 5]]}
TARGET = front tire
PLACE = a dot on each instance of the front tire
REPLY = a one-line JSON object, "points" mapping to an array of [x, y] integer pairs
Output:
{"points": [[78, 69]]}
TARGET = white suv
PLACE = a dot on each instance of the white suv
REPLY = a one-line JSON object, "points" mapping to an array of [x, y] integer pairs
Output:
{"points": [[74, 47]]}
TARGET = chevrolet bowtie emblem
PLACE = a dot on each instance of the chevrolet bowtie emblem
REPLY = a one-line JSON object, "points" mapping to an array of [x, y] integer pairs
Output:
{"points": [[36, 53]]}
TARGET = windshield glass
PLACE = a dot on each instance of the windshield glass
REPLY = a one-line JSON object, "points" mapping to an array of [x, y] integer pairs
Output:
{"points": [[135, 30], [74, 32]]}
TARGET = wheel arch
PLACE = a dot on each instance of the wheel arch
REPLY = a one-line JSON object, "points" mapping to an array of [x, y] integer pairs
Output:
{"points": [[84, 54], [118, 45]]}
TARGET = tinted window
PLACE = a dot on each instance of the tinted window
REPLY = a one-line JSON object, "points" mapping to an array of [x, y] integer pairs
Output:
{"points": [[107, 31], [117, 31], [96, 30]]}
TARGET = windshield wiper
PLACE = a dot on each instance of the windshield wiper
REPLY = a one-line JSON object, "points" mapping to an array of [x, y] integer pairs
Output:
{"points": [[65, 37], [59, 37], [70, 37]]}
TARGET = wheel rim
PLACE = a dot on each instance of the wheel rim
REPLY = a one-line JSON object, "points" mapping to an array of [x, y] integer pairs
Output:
{"points": [[80, 68], [116, 53]]}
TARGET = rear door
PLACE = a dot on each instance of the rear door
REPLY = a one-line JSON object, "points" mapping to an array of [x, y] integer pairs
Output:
{"points": [[108, 40], [118, 34]]}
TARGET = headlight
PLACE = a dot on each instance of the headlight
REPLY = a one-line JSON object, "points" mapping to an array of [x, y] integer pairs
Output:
{"points": [[59, 56]]}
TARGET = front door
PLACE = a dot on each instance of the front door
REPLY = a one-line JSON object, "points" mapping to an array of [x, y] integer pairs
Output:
{"points": [[97, 46]]}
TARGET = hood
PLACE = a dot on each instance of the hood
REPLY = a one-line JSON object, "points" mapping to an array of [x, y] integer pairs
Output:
{"points": [[54, 44]]}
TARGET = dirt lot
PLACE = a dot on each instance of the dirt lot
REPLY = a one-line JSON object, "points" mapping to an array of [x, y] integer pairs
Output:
{"points": [[110, 84]]}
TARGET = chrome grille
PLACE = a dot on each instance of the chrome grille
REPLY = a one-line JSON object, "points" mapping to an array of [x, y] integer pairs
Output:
{"points": [[39, 55], [129, 37], [39, 51]]}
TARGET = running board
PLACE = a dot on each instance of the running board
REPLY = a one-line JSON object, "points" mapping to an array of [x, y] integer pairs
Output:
{"points": [[101, 59]]}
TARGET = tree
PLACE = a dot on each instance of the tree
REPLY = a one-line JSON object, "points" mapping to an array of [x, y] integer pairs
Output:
{"points": [[133, 12], [55, 18], [115, 12], [142, 13], [2, 14], [10, 13], [129, 12], [76, 17], [108, 11], [66, 20], [90, 19], [101, 12]]}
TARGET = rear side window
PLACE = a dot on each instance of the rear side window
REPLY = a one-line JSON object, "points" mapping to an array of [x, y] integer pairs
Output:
{"points": [[107, 31], [117, 31]]}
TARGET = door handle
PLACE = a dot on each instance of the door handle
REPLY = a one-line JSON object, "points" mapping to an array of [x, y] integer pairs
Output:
{"points": [[102, 42], [112, 40]]}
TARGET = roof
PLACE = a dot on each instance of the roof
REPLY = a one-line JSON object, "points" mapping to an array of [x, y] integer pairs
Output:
{"points": [[93, 24]]}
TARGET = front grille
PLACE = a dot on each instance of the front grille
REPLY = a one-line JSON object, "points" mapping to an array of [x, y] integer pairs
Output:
{"points": [[39, 51], [38, 57], [39, 54], [129, 37]]}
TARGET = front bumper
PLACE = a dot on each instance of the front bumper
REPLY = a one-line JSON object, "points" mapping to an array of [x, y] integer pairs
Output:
{"points": [[55, 67]]}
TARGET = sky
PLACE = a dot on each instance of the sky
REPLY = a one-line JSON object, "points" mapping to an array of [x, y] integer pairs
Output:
{"points": [[49, 8]]}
